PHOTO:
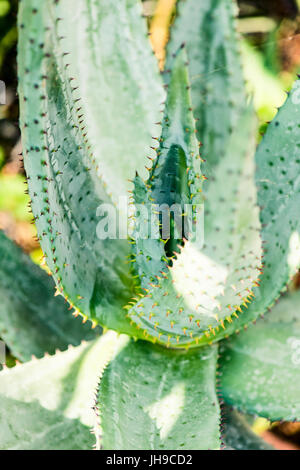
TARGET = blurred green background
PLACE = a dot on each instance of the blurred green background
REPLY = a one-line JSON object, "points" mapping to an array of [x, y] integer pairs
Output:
{"points": [[270, 47]]}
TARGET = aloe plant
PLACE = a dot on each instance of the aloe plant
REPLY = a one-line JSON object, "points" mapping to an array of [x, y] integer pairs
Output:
{"points": [[94, 111]]}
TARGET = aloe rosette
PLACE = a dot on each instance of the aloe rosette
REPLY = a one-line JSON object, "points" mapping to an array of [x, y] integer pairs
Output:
{"points": [[94, 111]]}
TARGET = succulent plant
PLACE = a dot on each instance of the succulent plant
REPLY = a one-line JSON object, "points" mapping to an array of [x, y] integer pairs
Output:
{"points": [[94, 110]]}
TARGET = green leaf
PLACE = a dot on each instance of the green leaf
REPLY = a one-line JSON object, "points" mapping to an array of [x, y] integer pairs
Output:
{"points": [[154, 398], [260, 367], [278, 183], [64, 184], [218, 92], [47, 404], [118, 82], [32, 320], [278, 166], [238, 435]]}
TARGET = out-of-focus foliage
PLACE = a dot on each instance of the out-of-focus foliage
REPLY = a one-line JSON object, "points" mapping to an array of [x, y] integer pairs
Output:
{"points": [[278, 8], [13, 198]]}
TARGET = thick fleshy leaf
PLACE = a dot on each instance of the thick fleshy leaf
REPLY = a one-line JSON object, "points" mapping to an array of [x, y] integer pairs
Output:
{"points": [[218, 92], [278, 183], [32, 320], [154, 398], [47, 404], [64, 185], [119, 84], [238, 435], [259, 370]]}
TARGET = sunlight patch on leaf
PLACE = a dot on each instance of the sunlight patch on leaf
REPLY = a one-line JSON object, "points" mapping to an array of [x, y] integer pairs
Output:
{"points": [[166, 411], [294, 252], [200, 280]]}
